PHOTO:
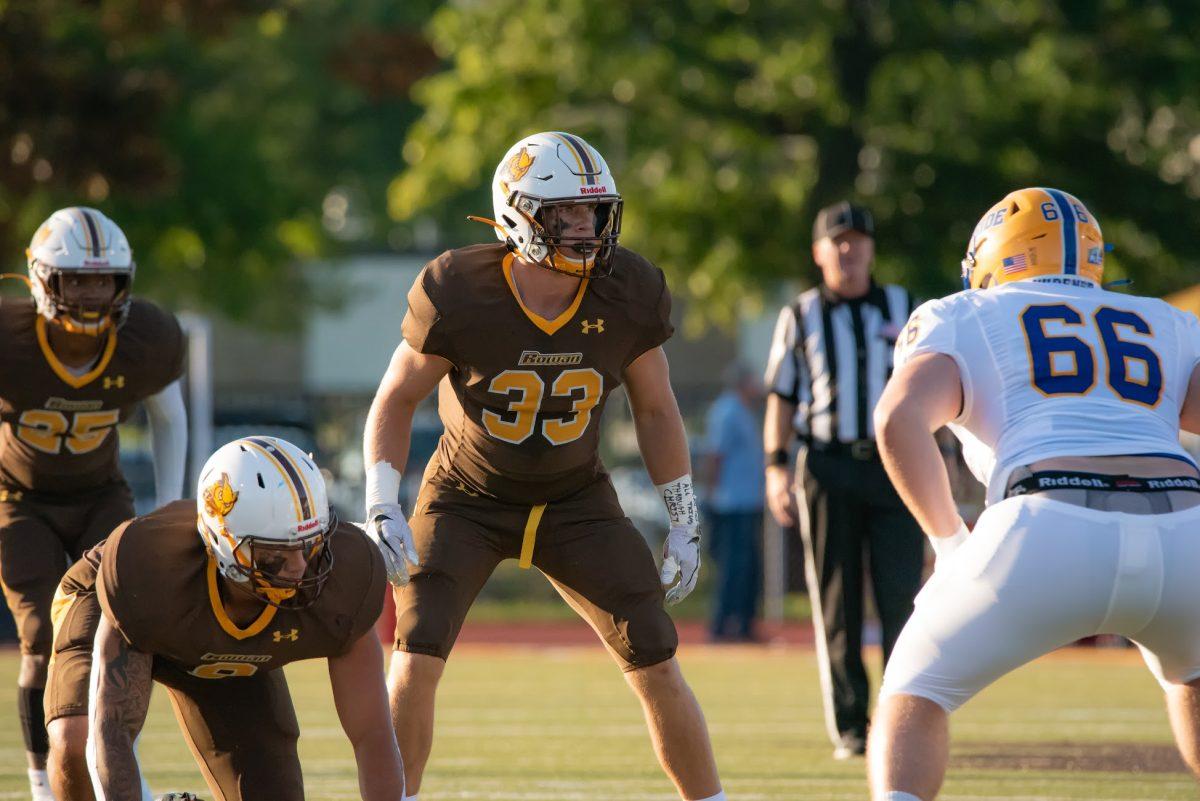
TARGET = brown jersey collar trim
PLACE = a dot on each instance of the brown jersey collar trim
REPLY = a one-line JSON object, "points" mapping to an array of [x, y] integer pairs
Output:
{"points": [[60, 369], [218, 608], [549, 326]]}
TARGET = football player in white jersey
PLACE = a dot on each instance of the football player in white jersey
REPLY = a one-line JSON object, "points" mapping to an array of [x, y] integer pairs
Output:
{"points": [[1068, 400]]}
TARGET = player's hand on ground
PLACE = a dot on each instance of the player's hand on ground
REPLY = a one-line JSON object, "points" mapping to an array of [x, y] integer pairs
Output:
{"points": [[681, 559], [781, 498], [388, 529]]}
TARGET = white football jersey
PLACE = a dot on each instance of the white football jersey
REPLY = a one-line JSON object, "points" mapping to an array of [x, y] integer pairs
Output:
{"points": [[1056, 366]]}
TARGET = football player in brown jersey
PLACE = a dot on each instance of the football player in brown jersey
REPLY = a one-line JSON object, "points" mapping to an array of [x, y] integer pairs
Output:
{"points": [[527, 338], [272, 578], [77, 358]]}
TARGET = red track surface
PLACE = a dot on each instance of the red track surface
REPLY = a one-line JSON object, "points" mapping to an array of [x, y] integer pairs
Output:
{"points": [[576, 632]]}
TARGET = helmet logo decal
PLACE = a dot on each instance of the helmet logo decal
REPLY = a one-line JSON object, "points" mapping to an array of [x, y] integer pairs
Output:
{"points": [[519, 164], [219, 498], [1013, 264]]}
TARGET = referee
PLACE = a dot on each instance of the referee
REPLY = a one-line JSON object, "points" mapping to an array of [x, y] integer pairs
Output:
{"points": [[830, 358]]}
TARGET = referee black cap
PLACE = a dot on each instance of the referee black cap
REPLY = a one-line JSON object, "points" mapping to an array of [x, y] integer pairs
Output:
{"points": [[842, 217]]}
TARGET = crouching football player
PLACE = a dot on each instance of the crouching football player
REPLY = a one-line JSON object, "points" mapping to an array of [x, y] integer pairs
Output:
{"points": [[272, 578]]}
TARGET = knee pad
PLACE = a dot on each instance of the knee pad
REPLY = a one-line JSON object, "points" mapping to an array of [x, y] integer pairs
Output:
{"points": [[647, 638]]}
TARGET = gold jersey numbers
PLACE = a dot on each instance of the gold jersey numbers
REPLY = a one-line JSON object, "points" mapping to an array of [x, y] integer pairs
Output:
{"points": [[526, 390], [49, 430], [224, 670]]}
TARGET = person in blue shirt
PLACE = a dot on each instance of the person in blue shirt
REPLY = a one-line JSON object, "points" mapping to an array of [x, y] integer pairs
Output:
{"points": [[735, 502]]}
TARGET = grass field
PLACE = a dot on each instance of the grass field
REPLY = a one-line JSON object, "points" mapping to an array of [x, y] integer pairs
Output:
{"points": [[560, 725]]}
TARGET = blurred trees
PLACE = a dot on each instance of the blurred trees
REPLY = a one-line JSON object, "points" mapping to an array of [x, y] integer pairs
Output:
{"points": [[231, 138], [728, 123], [227, 138]]}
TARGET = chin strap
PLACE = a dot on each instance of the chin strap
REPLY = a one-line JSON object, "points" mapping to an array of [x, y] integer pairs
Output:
{"points": [[274, 595], [486, 221], [576, 267], [72, 326], [18, 277]]}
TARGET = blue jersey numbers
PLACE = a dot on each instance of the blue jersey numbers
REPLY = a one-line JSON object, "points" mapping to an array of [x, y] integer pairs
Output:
{"points": [[1064, 364]]}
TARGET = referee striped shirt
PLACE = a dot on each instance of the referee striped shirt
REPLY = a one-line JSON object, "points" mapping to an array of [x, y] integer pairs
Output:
{"points": [[831, 358]]}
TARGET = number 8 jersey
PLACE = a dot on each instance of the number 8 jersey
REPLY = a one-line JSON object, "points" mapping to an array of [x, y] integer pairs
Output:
{"points": [[522, 404], [1057, 366]]}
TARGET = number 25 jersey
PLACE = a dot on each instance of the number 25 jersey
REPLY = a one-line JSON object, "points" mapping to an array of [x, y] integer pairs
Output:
{"points": [[1057, 366], [522, 404], [58, 434]]}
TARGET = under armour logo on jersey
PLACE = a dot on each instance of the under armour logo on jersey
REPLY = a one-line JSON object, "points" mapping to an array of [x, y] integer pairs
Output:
{"points": [[597, 326], [279, 636], [10, 495], [116, 381]]}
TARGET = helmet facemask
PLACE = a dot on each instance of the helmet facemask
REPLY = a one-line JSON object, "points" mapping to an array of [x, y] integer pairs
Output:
{"points": [[261, 561], [80, 318], [548, 242]]}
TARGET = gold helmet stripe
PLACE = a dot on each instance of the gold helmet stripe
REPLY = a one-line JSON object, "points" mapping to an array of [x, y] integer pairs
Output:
{"points": [[574, 152], [306, 494], [89, 230], [588, 166], [258, 444]]}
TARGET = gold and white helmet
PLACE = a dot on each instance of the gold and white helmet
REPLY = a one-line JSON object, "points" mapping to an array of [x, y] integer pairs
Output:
{"points": [[258, 497], [546, 171], [80, 240]]}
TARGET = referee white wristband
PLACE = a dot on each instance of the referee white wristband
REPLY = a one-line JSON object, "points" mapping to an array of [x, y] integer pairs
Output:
{"points": [[680, 500], [383, 484], [944, 546]]}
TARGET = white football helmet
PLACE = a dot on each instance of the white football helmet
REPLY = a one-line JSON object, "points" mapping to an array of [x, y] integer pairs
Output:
{"points": [[549, 170], [80, 240], [259, 498]]}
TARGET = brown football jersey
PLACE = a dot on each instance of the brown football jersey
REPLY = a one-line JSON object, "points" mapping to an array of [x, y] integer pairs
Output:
{"points": [[58, 430], [161, 590], [523, 402]]}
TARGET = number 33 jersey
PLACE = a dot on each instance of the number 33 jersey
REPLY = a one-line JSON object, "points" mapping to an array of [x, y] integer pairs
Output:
{"points": [[59, 428], [1057, 366], [522, 404]]}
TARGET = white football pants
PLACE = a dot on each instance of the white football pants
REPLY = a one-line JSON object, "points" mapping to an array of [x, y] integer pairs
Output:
{"points": [[1037, 574]]}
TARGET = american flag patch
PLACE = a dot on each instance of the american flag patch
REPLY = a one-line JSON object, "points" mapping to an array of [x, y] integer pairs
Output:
{"points": [[1013, 263]]}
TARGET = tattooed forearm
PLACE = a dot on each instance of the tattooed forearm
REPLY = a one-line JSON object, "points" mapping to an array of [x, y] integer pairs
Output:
{"points": [[121, 684]]}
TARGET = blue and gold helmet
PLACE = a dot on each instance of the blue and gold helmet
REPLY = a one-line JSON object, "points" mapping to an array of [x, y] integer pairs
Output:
{"points": [[1033, 232]]}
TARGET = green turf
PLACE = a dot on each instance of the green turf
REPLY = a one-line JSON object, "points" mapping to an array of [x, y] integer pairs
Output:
{"points": [[560, 725]]}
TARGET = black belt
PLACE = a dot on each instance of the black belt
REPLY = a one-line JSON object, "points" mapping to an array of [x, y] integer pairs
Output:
{"points": [[1064, 479], [863, 450]]}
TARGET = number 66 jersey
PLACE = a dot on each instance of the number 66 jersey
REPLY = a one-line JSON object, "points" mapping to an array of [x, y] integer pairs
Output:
{"points": [[1057, 366]]}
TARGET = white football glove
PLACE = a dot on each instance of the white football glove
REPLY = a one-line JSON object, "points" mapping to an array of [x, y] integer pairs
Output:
{"points": [[681, 558], [388, 529]]}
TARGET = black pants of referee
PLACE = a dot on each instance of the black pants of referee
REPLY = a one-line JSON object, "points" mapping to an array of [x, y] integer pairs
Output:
{"points": [[853, 523]]}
